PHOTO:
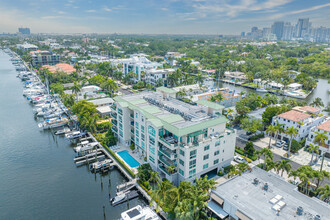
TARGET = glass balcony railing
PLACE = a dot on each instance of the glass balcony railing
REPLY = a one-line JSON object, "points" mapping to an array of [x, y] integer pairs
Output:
{"points": [[164, 169], [167, 153], [113, 114], [114, 129], [113, 107], [166, 161]]}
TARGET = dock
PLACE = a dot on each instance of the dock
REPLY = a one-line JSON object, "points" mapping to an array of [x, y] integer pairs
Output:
{"points": [[128, 196]]}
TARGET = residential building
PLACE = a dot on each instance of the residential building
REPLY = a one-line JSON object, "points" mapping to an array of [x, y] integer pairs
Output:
{"points": [[137, 63], [154, 75], [170, 133], [174, 55], [322, 128], [258, 194], [235, 77], [302, 27], [25, 31], [27, 47], [44, 57], [301, 118], [294, 86], [102, 101], [274, 86], [277, 29], [60, 67]]}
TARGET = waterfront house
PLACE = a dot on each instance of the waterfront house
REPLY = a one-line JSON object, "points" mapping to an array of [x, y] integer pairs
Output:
{"points": [[235, 77], [154, 75], [294, 86], [322, 128]]}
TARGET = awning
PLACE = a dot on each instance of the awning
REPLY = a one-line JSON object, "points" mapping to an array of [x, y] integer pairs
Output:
{"points": [[196, 133], [217, 198], [216, 209], [240, 215]]}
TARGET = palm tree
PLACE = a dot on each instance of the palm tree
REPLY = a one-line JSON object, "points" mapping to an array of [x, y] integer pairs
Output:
{"points": [[324, 193], [283, 165], [171, 169], [154, 178], [76, 88], [317, 102], [313, 149], [160, 194], [267, 154], [320, 139], [294, 174], [279, 130], [304, 179], [320, 176], [110, 86], [271, 130], [292, 132]]}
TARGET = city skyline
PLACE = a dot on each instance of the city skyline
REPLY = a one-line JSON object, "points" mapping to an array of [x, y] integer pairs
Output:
{"points": [[153, 17]]}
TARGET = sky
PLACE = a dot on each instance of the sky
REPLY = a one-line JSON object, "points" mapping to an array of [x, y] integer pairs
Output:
{"points": [[156, 16]]}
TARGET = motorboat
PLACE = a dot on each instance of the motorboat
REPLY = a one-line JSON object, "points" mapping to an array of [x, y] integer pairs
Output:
{"points": [[262, 90], [99, 165], [62, 131], [53, 123]]}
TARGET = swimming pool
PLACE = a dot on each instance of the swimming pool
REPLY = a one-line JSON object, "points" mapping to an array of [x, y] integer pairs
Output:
{"points": [[128, 158]]}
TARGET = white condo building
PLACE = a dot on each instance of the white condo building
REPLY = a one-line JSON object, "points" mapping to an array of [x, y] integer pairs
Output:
{"points": [[192, 139], [137, 63], [301, 118], [153, 75]]}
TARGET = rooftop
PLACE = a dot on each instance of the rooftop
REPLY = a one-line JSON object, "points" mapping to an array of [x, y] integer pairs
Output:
{"points": [[252, 200], [103, 101], [62, 67], [324, 126], [310, 109], [176, 116], [294, 115]]}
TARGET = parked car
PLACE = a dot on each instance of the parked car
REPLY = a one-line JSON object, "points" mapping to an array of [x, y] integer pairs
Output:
{"points": [[280, 144], [286, 147], [249, 133], [239, 159]]}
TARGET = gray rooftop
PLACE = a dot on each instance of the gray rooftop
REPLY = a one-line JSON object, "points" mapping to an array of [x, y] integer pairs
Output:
{"points": [[253, 201], [103, 101]]}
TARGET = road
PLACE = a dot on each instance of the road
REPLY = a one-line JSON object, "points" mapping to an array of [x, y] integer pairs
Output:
{"points": [[241, 144]]}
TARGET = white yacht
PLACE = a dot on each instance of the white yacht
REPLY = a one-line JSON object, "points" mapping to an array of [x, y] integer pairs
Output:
{"points": [[139, 213], [261, 90], [53, 123]]}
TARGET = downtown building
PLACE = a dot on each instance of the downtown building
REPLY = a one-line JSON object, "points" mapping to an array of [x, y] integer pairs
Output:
{"points": [[192, 139]]}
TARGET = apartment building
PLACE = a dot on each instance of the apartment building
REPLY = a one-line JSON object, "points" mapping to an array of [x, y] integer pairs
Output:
{"points": [[192, 139], [301, 118], [235, 77], [44, 57], [322, 128], [137, 63], [154, 75], [257, 194]]}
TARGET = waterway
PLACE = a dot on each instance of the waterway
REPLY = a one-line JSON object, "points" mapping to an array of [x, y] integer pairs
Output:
{"points": [[321, 90], [38, 179]]}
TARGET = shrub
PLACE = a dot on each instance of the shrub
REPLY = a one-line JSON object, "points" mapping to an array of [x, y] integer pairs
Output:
{"points": [[132, 146], [120, 162], [295, 146], [257, 136], [228, 168], [240, 151], [221, 173], [247, 159], [146, 184]]}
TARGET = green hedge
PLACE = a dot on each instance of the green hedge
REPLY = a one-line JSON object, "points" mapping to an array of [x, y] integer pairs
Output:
{"points": [[120, 162], [256, 137], [241, 152]]}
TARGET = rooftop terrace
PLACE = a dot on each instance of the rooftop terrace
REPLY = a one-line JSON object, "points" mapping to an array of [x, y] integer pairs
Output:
{"points": [[254, 201]]}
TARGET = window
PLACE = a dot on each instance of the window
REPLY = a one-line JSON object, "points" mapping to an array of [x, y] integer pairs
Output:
{"points": [[192, 164], [137, 133], [120, 118], [216, 161], [136, 115], [142, 137], [181, 162], [193, 154], [137, 125], [205, 166], [216, 153], [151, 159], [206, 157], [152, 131], [207, 147], [151, 140], [120, 126], [182, 152], [217, 143], [181, 172], [152, 149], [192, 173], [137, 140], [142, 128]]}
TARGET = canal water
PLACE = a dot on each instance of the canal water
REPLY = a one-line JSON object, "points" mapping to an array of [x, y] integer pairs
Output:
{"points": [[320, 91], [38, 179]]}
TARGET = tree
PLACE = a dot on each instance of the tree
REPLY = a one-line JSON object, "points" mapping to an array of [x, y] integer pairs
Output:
{"points": [[313, 149], [292, 132], [251, 124], [75, 89], [57, 88], [283, 165], [154, 178], [317, 102], [267, 154], [324, 193], [241, 109], [110, 86], [320, 139], [271, 130], [249, 148], [294, 174]]}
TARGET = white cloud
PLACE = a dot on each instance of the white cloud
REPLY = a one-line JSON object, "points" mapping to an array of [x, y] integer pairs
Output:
{"points": [[90, 11], [164, 9], [107, 9]]}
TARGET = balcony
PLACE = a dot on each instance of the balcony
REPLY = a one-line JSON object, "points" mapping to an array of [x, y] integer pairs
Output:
{"points": [[132, 123], [113, 107], [113, 114], [114, 129], [169, 142], [168, 153], [132, 116], [164, 169], [165, 160], [114, 122]]}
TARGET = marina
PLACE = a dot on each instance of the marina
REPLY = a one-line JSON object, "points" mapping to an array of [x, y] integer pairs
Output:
{"points": [[51, 172]]}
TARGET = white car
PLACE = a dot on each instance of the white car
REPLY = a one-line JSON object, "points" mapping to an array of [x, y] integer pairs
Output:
{"points": [[239, 159]]}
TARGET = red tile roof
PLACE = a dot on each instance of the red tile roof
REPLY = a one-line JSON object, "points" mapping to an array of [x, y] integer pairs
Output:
{"points": [[325, 126], [310, 109], [64, 67], [294, 115]]}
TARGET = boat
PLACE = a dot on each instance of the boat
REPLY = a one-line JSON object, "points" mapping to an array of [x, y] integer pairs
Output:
{"points": [[63, 131], [53, 123], [261, 90], [139, 212], [124, 197], [86, 148], [125, 186], [100, 165]]}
